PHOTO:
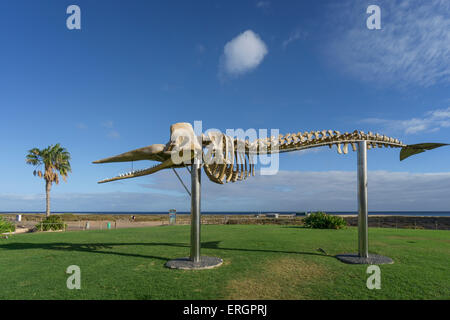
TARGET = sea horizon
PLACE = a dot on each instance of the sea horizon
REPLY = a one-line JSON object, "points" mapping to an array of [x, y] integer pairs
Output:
{"points": [[387, 213]]}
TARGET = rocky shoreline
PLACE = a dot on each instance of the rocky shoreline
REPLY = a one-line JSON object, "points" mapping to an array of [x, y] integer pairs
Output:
{"points": [[408, 222], [99, 221]]}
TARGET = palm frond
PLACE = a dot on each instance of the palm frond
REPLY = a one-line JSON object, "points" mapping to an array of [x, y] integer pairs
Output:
{"points": [[54, 158], [34, 157]]}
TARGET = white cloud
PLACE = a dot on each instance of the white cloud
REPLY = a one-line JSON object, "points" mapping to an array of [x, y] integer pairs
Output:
{"points": [[412, 47], [431, 121], [112, 133], [243, 53], [294, 36], [81, 125], [108, 124], [286, 191], [263, 4]]}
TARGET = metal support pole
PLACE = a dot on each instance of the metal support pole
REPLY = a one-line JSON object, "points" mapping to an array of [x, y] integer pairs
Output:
{"points": [[363, 256], [179, 178], [363, 242], [195, 210]]}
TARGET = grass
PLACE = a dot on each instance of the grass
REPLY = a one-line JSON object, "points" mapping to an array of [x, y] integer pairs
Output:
{"points": [[260, 262]]}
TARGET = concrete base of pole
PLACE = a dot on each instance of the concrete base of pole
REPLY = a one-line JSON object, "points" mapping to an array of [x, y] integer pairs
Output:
{"points": [[187, 264], [356, 259]]}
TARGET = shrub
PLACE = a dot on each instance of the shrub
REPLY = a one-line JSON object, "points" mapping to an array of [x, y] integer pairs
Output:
{"points": [[51, 223], [321, 220], [6, 226]]}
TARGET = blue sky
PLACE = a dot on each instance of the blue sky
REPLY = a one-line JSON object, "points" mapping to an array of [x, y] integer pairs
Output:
{"points": [[136, 67]]}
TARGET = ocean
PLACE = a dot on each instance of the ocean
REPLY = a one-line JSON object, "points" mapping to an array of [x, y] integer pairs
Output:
{"points": [[387, 213]]}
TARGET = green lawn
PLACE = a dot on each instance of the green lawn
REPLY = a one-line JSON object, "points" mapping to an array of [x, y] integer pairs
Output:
{"points": [[260, 262]]}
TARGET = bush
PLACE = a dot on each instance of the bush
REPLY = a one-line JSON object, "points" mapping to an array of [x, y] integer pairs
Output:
{"points": [[6, 226], [321, 220], [51, 223]]}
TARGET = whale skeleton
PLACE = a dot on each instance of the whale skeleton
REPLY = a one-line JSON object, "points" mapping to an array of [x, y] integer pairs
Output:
{"points": [[229, 159]]}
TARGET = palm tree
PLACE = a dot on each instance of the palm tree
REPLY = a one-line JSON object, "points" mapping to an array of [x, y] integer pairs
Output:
{"points": [[54, 158]]}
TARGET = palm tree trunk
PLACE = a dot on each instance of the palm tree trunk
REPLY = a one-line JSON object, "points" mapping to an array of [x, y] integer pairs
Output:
{"points": [[48, 186]]}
